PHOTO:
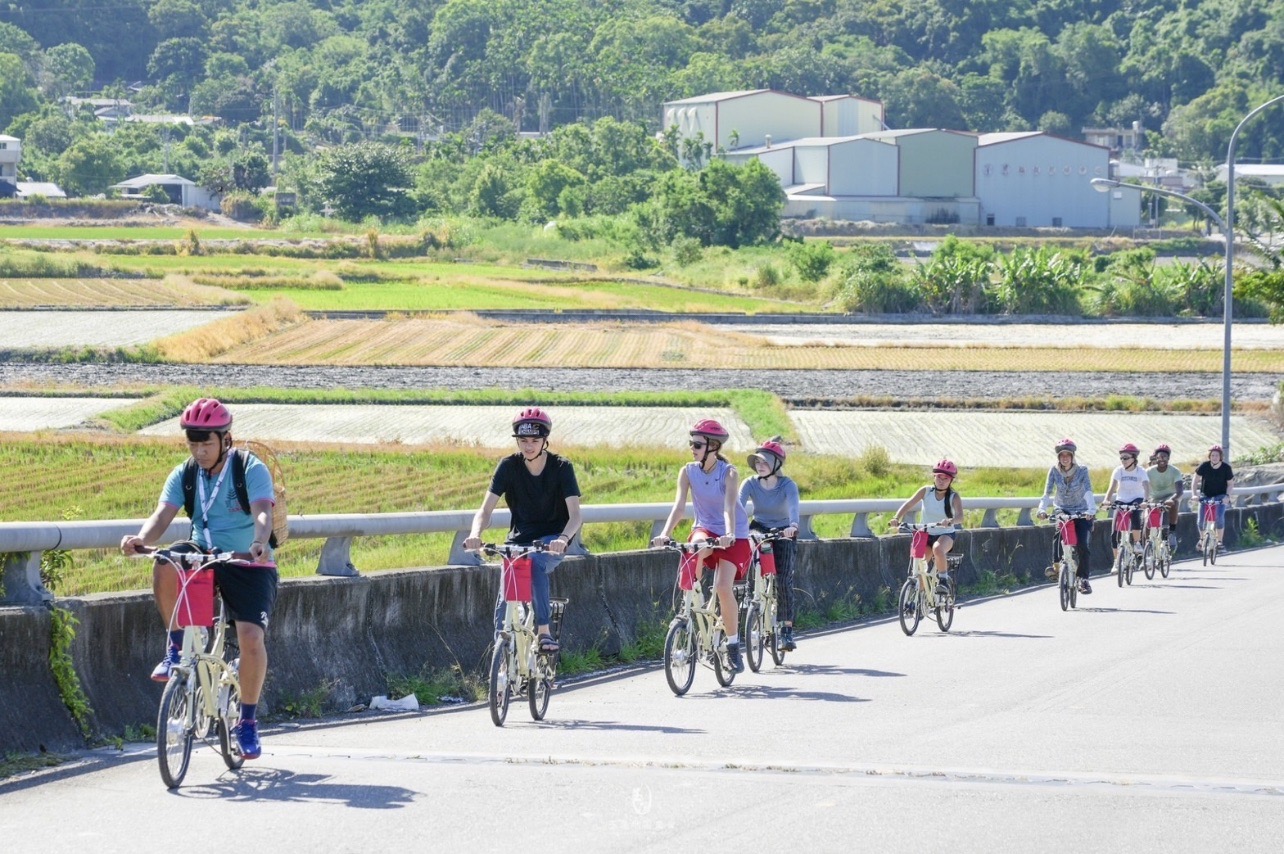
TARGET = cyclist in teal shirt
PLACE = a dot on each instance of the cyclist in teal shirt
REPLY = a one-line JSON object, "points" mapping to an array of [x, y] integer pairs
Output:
{"points": [[220, 524]]}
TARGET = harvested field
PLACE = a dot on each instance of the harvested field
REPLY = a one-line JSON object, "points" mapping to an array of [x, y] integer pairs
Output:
{"points": [[111, 293], [26, 414], [28, 330], [469, 426], [454, 342]]}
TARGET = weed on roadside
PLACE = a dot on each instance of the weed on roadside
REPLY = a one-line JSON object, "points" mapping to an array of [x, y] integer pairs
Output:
{"points": [[436, 686]]}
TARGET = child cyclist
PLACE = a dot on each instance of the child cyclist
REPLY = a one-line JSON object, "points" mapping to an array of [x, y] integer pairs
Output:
{"points": [[942, 509], [1166, 486], [221, 523], [543, 499], [1129, 485], [714, 487], [1069, 489], [775, 507]]}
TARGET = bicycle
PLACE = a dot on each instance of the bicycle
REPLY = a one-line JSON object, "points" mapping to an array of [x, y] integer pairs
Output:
{"points": [[1156, 553], [204, 688], [517, 666], [923, 590], [1067, 563], [762, 626], [696, 633], [1208, 528], [1126, 558]]}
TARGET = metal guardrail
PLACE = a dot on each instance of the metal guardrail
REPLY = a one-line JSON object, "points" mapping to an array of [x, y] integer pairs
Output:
{"points": [[21, 543]]}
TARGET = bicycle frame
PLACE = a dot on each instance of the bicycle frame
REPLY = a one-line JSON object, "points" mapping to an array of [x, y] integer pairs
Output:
{"points": [[923, 589], [697, 630], [763, 602], [1068, 562], [1208, 527]]}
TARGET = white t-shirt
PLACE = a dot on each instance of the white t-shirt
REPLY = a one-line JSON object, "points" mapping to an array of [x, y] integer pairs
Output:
{"points": [[1132, 484]]}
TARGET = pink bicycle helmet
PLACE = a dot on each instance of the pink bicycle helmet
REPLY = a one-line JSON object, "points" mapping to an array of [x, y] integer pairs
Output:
{"points": [[710, 429], [1218, 449], [532, 421], [772, 452], [1066, 445], [206, 414], [946, 467], [1164, 449], [1130, 449]]}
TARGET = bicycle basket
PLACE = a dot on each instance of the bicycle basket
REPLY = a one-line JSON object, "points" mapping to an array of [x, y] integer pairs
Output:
{"points": [[1069, 533], [195, 605], [688, 571], [1156, 517], [918, 545], [517, 580], [1123, 520], [767, 561]]}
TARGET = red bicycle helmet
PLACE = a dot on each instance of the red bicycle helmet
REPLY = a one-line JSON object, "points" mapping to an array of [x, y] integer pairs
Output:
{"points": [[206, 414], [1164, 449], [946, 467], [1130, 449], [1066, 445], [771, 452], [1218, 449], [710, 429], [532, 421]]}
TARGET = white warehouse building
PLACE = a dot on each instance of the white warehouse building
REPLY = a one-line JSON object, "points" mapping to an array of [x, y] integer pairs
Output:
{"points": [[758, 117]]}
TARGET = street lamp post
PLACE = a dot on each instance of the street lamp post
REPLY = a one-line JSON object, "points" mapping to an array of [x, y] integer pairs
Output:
{"points": [[1105, 185], [1230, 260]]}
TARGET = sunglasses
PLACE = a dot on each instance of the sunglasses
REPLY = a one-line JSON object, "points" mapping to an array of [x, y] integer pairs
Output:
{"points": [[698, 445], [1126, 457]]}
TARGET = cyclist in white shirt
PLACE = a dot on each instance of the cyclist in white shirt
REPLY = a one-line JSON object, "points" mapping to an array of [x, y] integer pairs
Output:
{"points": [[1129, 484]]}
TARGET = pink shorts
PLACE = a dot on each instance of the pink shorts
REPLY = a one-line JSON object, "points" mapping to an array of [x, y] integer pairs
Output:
{"points": [[737, 554]]}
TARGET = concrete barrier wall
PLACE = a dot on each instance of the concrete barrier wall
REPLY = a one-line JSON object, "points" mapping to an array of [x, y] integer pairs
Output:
{"points": [[344, 637]]}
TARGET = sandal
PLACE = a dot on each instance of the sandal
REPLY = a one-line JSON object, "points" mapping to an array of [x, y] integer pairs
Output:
{"points": [[547, 645]]}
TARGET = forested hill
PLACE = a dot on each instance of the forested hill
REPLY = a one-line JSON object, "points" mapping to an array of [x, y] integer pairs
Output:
{"points": [[1186, 69]]}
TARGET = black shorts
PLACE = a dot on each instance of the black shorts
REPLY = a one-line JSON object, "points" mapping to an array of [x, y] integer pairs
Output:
{"points": [[249, 591], [932, 538]]}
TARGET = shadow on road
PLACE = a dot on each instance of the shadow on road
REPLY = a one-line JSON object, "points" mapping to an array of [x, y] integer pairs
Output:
{"points": [[829, 669], [772, 692], [980, 634], [272, 784], [612, 725], [1123, 611], [1160, 586]]}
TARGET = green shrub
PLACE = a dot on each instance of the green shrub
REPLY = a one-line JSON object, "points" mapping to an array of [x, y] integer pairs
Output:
{"points": [[812, 259], [873, 280]]}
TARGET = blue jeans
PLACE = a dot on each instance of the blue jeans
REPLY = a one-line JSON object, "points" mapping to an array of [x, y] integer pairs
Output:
{"points": [[542, 566]]}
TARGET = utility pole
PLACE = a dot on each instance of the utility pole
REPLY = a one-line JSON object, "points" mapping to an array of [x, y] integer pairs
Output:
{"points": [[276, 135]]}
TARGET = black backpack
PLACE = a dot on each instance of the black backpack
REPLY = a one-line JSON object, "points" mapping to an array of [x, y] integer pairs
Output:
{"points": [[237, 462]]}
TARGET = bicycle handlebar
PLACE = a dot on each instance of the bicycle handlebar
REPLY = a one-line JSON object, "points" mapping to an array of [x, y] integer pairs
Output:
{"points": [[689, 548], [770, 535], [192, 560], [509, 550]]}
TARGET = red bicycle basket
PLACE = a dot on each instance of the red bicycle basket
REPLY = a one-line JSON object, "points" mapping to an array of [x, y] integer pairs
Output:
{"points": [[1069, 533], [1123, 520], [687, 571], [918, 545], [195, 597], [767, 560], [1210, 512], [517, 580], [1156, 517]]}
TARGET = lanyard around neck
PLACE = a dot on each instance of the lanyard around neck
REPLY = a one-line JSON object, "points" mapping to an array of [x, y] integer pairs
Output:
{"points": [[207, 504]]}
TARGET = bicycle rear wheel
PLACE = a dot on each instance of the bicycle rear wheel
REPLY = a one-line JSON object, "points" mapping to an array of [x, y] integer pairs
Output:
{"points": [[229, 715], [753, 640], [679, 657], [944, 607], [907, 606], [722, 669], [501, 687], [174, 732], [541, 687]]}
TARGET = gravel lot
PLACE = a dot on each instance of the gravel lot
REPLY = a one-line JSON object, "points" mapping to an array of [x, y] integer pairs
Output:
{"points": [[794, 385]]}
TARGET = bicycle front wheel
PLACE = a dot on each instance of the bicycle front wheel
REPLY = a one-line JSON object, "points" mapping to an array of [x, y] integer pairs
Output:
{"points": [[944, 607], [1130, 565], [501, 687], [1166, 563], [1206, 547], [1065, 586], [753, 637], [722, 669], [679, 657], [174, 732], [1148, 562], [1212, 551], [907, 606]]}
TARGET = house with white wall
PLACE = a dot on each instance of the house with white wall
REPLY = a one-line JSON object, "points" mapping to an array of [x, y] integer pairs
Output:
{"points": [[10, 154], [180, 190], [1033, 179]]}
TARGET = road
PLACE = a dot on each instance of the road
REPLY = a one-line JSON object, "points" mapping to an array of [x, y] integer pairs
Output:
{"points": [[1148, 720]]}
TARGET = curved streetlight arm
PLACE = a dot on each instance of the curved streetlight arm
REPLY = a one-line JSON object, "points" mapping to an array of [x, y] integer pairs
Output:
{"points": [[1106, 184]]}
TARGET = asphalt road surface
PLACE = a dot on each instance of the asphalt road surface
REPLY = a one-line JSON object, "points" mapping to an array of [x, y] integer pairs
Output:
{"points": [[1147, 720]]}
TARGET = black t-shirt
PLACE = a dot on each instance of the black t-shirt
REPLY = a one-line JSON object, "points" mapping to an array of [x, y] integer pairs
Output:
{"points": [[537, 504], [1212, 481]]}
